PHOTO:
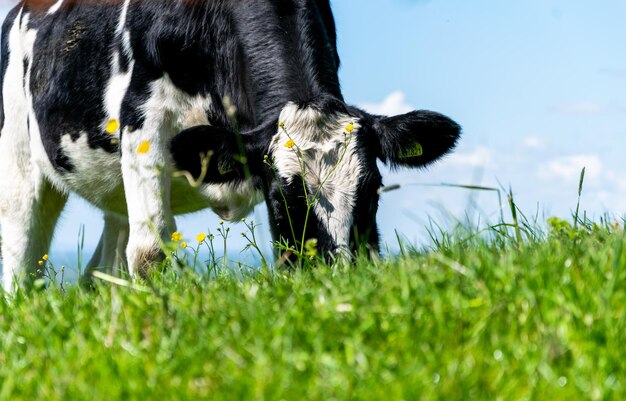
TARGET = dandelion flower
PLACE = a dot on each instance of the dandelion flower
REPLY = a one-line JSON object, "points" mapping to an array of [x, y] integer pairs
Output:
{"points": [[40, 263], [44, 257], [201, 237], [350, 127], [143, 147], [183, 245], [290, 144], [177, 236], [112, 126]]}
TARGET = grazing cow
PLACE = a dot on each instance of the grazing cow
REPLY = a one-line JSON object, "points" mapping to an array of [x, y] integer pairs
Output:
{"points": [[108, 98]]}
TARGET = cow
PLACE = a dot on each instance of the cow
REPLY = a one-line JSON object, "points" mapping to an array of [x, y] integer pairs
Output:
{"points": [[109, 99]]}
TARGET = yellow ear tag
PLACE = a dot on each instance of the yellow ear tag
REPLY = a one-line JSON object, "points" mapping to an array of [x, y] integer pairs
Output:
{"points": [[415, 150]]}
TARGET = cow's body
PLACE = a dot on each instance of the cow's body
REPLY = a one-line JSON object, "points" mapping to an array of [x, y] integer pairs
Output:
{"points": [[70, 68]]}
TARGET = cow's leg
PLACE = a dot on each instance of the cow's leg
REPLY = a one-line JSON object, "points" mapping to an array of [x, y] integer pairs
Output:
{"points": [[147, 189], [110, 255], [29, 209]]}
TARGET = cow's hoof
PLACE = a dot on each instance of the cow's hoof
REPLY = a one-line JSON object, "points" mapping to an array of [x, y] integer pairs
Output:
{"points": [[146, 260]]}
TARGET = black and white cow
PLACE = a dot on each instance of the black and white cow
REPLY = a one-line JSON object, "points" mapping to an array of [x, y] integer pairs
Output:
{"points": [[71, 69]]}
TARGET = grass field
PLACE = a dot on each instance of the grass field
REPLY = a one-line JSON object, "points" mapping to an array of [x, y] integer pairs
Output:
{"points": [[483, 317]]}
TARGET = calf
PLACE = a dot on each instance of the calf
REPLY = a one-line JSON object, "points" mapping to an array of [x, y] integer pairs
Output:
{"points": [[107, 99]]}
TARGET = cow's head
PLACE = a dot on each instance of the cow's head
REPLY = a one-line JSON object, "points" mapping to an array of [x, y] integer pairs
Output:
{"points": [[316, 166]]}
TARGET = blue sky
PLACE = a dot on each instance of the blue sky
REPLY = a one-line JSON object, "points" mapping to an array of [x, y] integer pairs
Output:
{"points": [[538, 85]]}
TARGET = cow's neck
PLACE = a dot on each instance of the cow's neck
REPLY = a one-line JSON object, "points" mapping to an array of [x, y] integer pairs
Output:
{"points": [[289, 55]]}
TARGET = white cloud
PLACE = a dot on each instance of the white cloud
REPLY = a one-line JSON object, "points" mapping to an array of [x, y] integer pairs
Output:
{"points": [[569, 167], [481, 156], [394, 104]]}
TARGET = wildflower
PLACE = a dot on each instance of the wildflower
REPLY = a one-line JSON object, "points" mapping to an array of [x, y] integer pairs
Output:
{"points": [[40, 263], [44, 257], [310, 247], [201, 237], [290, 144], [143, 147], [243, 219], [221, 222], [281, 125], [183, 245], [177, 236], [112, 126], [350, 127]]}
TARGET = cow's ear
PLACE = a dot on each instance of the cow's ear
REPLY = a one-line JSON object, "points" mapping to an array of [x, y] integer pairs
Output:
{"points": [[415, 139], [215, 154]]}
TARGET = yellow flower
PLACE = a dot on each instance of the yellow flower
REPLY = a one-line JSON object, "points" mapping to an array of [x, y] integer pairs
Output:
{"points": [[281, 125], [310, 247], [112, 126], [143, 147], [201, 237], [40, 263], [45, 257], [350, 127], [176, 236], [183, 245], [290, 144]]}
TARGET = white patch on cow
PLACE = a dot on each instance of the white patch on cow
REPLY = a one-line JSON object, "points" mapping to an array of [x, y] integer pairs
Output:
{"points": [[175, 107], [97, 176], [115, 91], [320, 142], [55, 7]]}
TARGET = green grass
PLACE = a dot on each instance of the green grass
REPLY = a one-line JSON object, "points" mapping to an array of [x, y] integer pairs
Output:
{"points": [[474, 318]]}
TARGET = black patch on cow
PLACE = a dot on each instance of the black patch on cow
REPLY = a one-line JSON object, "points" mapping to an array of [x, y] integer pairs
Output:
{"points": [[220, 148], [364, 232]]}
